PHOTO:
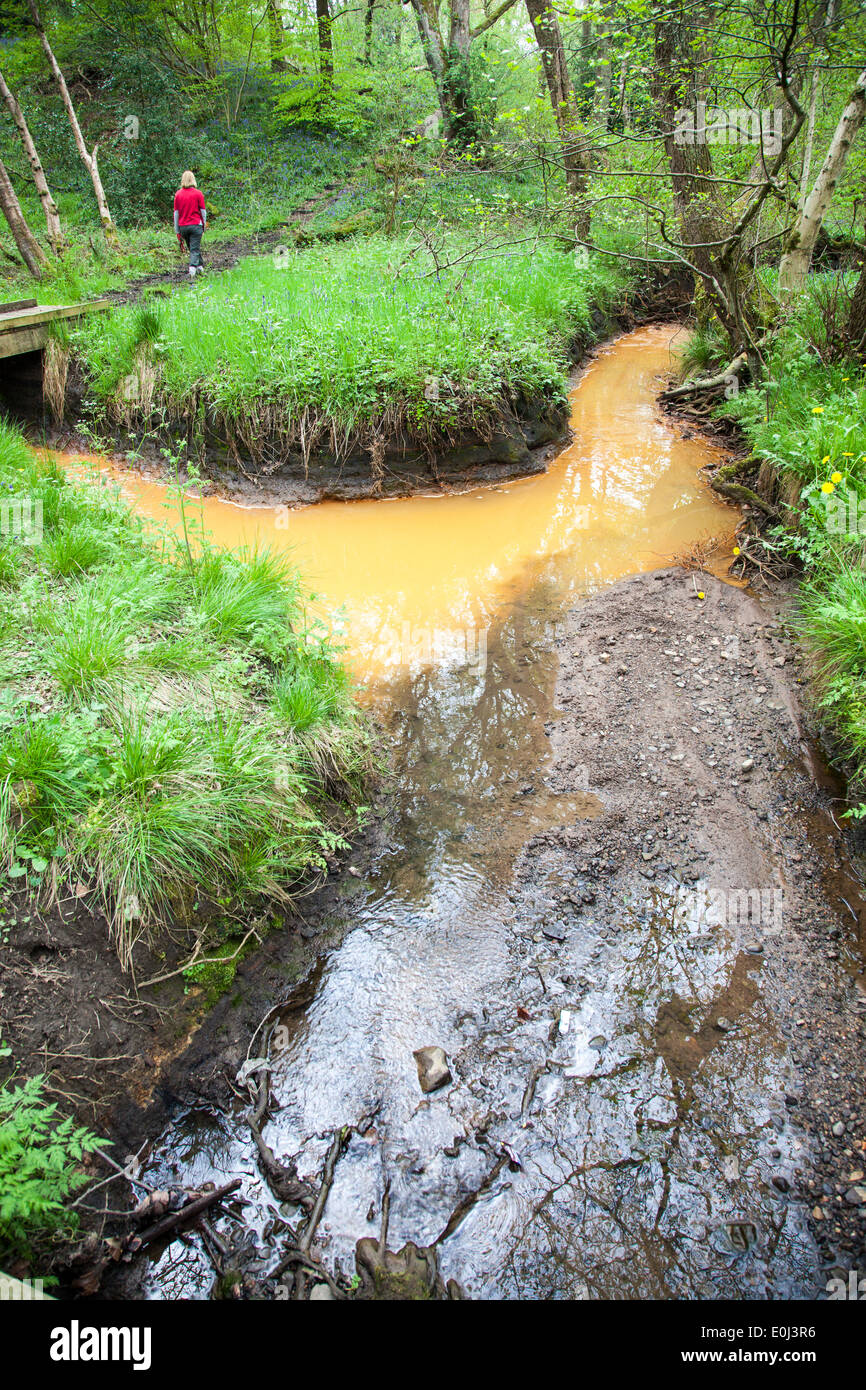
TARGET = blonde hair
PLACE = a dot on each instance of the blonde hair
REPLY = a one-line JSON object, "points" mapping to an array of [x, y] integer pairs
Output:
{"points": [[188, 179]]}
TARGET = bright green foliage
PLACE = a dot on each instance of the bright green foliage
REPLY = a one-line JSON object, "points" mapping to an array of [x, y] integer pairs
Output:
{"points": [[808, 422], [352, 338], [39, 1156], [147, 745]]}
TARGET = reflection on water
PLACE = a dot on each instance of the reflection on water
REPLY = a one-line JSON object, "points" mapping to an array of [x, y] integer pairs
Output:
{"points": [[431, 947]]}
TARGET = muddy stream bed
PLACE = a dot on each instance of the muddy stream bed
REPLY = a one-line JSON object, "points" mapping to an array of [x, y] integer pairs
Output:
{"points": [[636, 1100]]}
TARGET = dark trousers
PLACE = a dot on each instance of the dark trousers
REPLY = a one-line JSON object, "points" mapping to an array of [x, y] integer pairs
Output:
{"points": [[192, 237]]}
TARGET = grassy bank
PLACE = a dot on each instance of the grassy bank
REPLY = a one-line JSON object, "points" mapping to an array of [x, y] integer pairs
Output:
{"points": [[807, 432], [344, 346], [172, 730]]}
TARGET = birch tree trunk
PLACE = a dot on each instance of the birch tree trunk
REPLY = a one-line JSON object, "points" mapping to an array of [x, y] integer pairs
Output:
{"points": [[574, 153], [810, 140], [31, 252], [794, 266], [49, 207], [88, 157]]}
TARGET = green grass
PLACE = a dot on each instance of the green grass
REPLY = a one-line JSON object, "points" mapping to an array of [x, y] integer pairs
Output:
{"points": [[807, 428], [344, 343], [147, 745]]}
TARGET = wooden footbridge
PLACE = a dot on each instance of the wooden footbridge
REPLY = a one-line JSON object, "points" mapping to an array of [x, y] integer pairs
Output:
{"points": [[24, 324]]}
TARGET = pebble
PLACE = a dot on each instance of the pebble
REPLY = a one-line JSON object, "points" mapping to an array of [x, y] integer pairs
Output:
{"points": [[433, 1070]]}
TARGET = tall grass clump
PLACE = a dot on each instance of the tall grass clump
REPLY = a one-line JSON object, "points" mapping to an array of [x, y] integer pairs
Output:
{"points": [[148, 747]]}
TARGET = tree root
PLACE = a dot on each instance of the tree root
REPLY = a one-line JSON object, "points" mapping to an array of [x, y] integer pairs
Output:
{"points": [[710, 383]]}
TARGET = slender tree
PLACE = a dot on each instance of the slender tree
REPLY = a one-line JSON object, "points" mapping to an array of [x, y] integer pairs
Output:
{"points": [[324, 26], [88, 157], [368, 32], [276, 36], [31, 252], [795, 262], [548, 36], [49, 207]]}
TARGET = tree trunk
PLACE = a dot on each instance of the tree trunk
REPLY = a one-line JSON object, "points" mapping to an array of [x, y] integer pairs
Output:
{"points": [[810, 140], [326, 46], [49, 207], [276, 36], [703, 221], [368, 32], [457, 79], [574, 154], [31, 252], [855, 329], [449, 65], [427, 19], [88, 157], [795, 262], [601, 84]]}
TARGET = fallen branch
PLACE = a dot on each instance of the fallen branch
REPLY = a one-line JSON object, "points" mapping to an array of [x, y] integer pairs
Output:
{"points": [[282, 1178], [169, 1224], [710, 383]]}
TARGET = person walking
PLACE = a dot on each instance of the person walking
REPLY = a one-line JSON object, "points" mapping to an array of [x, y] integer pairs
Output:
{"points": [[190, 220]]}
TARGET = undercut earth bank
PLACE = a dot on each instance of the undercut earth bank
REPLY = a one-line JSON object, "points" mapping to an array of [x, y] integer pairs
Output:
{"points": [[314, 460]]}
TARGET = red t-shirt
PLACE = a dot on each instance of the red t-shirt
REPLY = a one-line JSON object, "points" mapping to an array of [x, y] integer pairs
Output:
{"points": [[188, 203]]}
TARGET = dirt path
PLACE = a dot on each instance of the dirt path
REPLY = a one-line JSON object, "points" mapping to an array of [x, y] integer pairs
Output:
{"points": [[224, 255], [723, 1101]]}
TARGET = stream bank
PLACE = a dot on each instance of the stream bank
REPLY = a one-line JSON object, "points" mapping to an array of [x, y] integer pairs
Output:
{"points": [[606, 884], [515, 439]]}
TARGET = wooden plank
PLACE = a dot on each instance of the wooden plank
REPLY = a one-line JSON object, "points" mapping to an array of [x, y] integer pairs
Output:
{"points": [[17, 304], [23, 340], [48, 313]]}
